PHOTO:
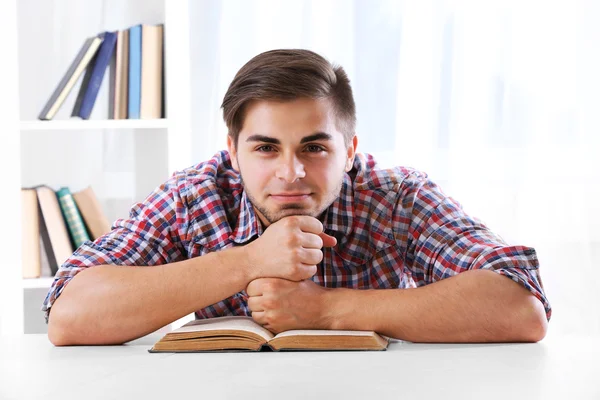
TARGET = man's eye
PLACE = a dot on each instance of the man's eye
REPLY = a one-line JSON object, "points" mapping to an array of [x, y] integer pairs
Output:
{"points": [[265, 149], [313, 148]]}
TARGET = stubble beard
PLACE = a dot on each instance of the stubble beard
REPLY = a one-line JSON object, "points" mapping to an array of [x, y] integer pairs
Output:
{"points": [[273, 217]]}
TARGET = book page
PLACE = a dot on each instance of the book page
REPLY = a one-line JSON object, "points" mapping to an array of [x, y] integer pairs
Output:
{"points": [[225, 323], [318, 332]]}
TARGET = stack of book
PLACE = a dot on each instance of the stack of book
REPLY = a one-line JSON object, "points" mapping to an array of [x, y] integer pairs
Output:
{"points": [[134, 57], [54, 224]]}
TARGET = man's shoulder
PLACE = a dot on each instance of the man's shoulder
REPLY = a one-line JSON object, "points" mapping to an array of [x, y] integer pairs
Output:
{"points": [[214, 180], [366, 175]]}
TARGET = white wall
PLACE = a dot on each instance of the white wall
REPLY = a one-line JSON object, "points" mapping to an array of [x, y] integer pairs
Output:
{"points": [[496, 100], [11, 295]]}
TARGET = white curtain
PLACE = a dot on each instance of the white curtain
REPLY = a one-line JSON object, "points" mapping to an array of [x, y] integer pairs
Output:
{"points": [[496, 100]]}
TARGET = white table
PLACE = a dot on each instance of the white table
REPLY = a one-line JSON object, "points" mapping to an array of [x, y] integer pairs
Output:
{"points": [[556, 368]]}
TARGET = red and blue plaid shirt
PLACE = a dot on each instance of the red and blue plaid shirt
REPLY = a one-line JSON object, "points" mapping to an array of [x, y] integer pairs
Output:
{"points": [[395, 229]]}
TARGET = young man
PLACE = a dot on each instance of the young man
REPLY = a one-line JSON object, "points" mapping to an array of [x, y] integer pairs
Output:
{"points": [[294, 228]]}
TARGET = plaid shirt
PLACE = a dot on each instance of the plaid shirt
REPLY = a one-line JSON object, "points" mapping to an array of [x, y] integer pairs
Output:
{"points": [[395, 229]]}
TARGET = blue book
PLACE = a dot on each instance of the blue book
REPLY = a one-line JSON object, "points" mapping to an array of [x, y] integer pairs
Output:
{"points": [[91, 83], [84, 59], [135, 72]]}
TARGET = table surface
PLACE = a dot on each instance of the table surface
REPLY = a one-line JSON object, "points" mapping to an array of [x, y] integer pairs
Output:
{"points": [[562, 367]]}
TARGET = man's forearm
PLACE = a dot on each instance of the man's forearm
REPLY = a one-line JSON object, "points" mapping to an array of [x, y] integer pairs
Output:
{"points": [[474, 306], [110, 304]]}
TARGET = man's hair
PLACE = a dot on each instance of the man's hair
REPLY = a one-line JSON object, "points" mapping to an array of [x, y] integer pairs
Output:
{"points": [[285, 75]]}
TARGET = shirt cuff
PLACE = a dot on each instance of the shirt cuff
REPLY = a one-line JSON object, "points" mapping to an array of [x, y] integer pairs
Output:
{"points": [[520, 264]]}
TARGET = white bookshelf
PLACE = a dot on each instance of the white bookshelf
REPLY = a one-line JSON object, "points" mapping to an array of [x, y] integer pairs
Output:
{"points": [[43, 37], [11, 298], [65, 125], [37, 283]]}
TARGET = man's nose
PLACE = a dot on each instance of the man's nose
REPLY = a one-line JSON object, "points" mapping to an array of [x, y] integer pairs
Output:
{"points": [[290, 169]]}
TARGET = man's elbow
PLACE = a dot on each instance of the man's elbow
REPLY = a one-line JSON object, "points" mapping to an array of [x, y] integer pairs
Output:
{"points": [[534, 322], [57, 332], [63, 327]]}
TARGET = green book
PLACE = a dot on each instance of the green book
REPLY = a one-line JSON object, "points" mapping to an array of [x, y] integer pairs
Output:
{"points": [[72, 217]]}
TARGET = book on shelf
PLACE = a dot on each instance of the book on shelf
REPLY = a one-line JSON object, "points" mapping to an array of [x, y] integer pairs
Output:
{"points": [[151, 72], [79, 64], [95, 220], [54, 224], [87, 76], [244, 334], [89, 90], [134, 58], [119, 78], [77, 230], [135, 72], [53, 229], [30, 234]]}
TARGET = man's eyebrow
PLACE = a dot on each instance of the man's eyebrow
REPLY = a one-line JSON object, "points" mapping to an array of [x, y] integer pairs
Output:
{"points": [[316, 136], [311, 138], [262, 138]]}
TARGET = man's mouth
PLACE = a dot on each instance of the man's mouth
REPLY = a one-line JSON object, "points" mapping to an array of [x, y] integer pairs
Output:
{"points": [[290, 197]]}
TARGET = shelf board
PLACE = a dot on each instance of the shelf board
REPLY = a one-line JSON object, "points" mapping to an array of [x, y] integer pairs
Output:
{"points": [[90, 124], [33, 283]]}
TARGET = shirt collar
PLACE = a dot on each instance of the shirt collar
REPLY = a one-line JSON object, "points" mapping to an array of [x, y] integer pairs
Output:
{"points": [[248, 225], [339, 215]]}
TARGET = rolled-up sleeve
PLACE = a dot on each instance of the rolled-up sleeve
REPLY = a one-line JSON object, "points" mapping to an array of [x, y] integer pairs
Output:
{"points": [[444, 241], [148, 237]]}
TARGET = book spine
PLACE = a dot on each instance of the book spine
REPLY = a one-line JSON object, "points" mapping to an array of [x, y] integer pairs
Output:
{"points": [[30, 234], [46, 241], [152, 65], [83, 109], [72, 217], [121, 76], [91, 211], [87, 51], [47, 246], [135, 71], [55, 233], [85, 83], [112, 79]]}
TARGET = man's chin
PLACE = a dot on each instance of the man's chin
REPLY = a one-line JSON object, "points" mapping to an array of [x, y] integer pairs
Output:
{"points": [[288, 212]]}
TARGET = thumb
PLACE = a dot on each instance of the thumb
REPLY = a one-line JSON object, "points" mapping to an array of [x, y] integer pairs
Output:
{"points": [[328, 241]]}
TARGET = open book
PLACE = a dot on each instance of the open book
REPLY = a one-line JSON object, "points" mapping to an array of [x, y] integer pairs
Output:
{"points": [[242, 333]]}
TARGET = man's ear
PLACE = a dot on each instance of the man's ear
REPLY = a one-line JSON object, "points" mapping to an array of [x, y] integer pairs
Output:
{"points": [[351, 153], [232, 153]]}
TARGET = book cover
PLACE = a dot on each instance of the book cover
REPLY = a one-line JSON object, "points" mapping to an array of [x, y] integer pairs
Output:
{"points": [[244, 334], [77, 231], [152, 66], [163, 111], [120, 80], [112, 68], [88, 93], [135, 72], [53, 229], [81, 61], [87, 76], [91, 211], [31, 260]]}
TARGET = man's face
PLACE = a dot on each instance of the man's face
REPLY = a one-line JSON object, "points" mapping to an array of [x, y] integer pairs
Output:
{"points": [[291, 157]]}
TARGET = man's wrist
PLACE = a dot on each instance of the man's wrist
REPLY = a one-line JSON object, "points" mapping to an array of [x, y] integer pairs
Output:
{"points": [[333, 308], [248, 264], [237, 260]]}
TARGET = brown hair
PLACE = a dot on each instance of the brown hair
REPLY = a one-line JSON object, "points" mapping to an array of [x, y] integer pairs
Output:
{"points": [[285, 75]]}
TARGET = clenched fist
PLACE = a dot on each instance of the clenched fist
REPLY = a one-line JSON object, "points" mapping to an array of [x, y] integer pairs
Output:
{"points": [[289, 249], [280, 305]]}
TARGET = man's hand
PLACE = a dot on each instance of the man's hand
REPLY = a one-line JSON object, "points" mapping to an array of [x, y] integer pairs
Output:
{"points": [[289, 249], [280, 305]]}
